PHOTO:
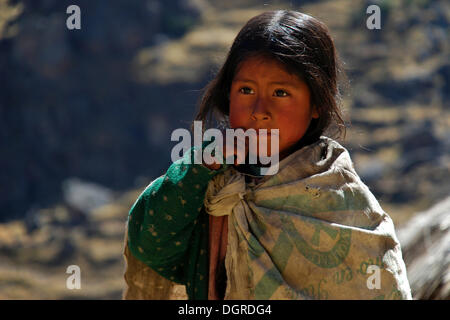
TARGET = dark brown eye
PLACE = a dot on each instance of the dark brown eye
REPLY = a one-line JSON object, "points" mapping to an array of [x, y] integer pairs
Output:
{"points": [[281, 93], [246, 90]]}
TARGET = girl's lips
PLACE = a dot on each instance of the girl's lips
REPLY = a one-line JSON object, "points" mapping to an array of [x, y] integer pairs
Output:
{"points": [[268, 133]]}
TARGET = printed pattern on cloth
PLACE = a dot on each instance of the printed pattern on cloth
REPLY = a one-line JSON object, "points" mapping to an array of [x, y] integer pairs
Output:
{"points": [[309, 232]]}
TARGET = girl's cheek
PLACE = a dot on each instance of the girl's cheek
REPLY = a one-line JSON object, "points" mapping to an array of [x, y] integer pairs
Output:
{"points": [[235, 121], [238, 116]]}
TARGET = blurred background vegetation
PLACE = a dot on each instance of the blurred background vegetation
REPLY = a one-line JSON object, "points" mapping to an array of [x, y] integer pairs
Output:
{"points": [[86, 117]]}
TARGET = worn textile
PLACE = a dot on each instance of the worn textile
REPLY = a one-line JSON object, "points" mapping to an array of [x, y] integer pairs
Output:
{"points": [[168, 228], [141, 281], [309, 232]]}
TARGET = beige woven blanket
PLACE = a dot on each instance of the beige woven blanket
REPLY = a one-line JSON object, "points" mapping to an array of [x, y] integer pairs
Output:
{"points": [[312, 231]]}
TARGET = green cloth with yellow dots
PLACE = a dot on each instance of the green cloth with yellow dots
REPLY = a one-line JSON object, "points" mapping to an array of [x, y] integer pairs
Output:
{"points": [[168, 228]]}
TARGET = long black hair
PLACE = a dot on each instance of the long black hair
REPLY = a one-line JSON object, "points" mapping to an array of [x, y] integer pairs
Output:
{"points": [[304, 46]]}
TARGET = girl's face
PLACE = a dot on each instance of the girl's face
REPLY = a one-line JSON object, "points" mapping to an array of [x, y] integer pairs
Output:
{"points": [[264, 95]]}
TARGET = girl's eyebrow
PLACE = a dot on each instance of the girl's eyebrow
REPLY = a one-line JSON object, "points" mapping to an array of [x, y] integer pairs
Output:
{"points": [[280, 83]]}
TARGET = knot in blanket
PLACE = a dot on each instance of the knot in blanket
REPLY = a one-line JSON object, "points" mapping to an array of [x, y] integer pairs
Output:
{"points": [[225, 192], [309, 232]]}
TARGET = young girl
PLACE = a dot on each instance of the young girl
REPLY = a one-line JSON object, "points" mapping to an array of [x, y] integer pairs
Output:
{"points": [[313, 230]]}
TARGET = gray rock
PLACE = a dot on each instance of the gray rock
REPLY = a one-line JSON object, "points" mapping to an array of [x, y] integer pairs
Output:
{"points": [[85, 196]]}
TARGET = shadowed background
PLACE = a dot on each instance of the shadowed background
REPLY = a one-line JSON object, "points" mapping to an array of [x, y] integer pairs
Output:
{"points": [[86, 117]]}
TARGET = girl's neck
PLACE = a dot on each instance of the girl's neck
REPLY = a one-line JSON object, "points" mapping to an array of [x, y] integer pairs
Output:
{"points": [[297, 146], [252, 168]]}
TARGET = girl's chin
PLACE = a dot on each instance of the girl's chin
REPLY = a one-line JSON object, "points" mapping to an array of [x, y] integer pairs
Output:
{"points": [[264, 149]]}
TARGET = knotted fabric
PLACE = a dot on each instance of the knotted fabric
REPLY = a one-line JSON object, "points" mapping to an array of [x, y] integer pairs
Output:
{"points": [[312, 231]]}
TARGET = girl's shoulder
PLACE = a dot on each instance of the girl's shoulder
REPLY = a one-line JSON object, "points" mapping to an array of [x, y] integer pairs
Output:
{"points": [[319, 156], [336, 155]]}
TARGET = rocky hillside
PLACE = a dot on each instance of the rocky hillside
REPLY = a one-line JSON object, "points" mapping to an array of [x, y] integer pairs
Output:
{"points": [[86, 117]]}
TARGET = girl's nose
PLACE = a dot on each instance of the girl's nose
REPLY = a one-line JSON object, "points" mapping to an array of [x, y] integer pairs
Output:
{"points": [[260, 111]]}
